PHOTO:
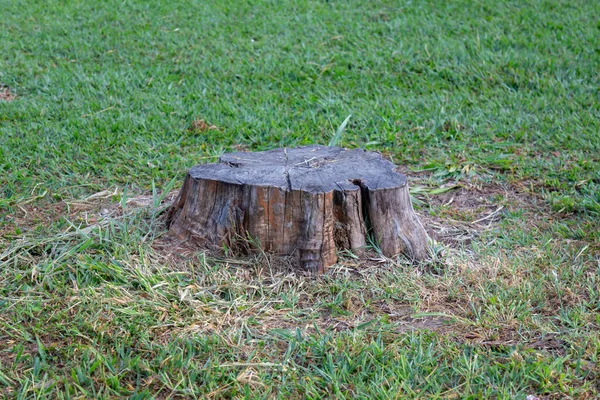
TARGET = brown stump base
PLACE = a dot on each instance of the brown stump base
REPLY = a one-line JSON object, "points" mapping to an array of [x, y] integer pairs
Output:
{"points": [[308, 201]]}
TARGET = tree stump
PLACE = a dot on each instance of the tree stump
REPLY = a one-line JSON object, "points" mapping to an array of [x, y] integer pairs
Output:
{"points": [[308, 201]]}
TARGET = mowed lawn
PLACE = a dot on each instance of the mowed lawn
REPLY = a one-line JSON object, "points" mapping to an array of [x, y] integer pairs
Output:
{"points": [[492, 108]]}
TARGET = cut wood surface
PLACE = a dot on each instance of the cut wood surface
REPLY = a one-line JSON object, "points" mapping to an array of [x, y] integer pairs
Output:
{"points": [[307, 202]]}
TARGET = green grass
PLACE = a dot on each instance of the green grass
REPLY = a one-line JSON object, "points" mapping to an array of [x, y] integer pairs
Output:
{"points": [[475, 94]]}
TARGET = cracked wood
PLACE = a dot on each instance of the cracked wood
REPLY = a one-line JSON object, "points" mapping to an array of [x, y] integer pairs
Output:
{"points": [[308, 202]]}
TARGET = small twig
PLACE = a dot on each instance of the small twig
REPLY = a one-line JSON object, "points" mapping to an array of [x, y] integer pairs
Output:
{"points": [[22, 209], [35, 198], [257, 364], [488, 216], [305, 161], [218, 390], [98, 112], [102, 195], [449, 201]]}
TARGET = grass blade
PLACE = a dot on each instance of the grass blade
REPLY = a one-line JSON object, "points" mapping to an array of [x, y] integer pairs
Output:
{"points": [[338, 133]]}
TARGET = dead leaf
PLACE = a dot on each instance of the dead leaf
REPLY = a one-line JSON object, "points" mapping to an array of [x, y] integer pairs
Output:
{"points": [[201, 125]]}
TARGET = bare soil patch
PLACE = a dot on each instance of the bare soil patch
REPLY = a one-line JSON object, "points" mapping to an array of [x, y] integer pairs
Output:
{"points": [[6, 94], [29, 215], [458, 216]]}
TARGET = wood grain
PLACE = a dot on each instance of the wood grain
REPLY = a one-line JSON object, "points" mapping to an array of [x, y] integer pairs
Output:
{"points": [[309, 202]]}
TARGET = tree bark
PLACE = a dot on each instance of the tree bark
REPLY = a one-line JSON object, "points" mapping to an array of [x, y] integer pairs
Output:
{"points": [[308, 202]]}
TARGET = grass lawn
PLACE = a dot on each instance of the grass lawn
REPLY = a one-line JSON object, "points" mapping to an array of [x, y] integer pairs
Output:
{"points": [[492, 106]]}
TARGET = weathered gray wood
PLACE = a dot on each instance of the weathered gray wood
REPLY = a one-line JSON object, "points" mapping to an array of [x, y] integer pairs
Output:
{"points": [[307, 201]]}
